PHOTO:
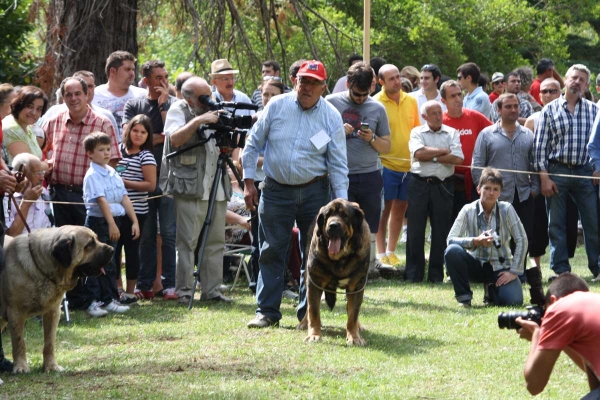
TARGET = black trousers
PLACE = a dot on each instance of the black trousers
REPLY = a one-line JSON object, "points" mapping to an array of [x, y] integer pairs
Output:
{"points": [[433, 200]]}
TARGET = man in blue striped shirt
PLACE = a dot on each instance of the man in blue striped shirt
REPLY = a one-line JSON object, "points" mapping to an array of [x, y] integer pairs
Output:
{"points": [[304, 145], [560, 151]]}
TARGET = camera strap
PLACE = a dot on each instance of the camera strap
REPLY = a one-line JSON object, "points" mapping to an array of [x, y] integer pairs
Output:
{"points": [[497, 211]]}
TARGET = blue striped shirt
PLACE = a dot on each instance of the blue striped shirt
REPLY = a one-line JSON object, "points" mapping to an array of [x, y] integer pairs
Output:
{"points": [[283, 134], [594, 144], [562, 136]]}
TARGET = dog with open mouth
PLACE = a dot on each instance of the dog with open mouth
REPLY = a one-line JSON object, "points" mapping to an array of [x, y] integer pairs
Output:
{"points": [[338, 258], [39, 268]]}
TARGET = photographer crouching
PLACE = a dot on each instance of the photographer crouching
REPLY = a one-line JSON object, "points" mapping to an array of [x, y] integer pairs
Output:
{"points": [[571, 324], [479, 246], [189, 176]]}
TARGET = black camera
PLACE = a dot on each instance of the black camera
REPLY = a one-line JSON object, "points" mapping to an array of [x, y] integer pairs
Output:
{"points": [[507, 320], [229, 127]]}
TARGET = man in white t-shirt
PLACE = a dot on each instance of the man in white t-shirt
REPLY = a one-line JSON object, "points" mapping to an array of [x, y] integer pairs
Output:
{"points": [[120, 70]]}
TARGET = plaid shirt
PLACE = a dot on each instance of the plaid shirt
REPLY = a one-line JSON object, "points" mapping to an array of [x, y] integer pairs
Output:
{"points": [[65, 140], [562, 136]]}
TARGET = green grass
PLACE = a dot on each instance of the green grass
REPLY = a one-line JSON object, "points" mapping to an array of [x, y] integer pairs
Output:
{"points": [[420, 345]]}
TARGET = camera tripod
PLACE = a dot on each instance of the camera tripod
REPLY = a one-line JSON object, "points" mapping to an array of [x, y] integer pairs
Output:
{"points": [[222, 162]]}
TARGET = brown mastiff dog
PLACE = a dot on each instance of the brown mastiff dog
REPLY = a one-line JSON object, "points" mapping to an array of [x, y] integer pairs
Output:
{"points": [[39, 269], [338, 257]]}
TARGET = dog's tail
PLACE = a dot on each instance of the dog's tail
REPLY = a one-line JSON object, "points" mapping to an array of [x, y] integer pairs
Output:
{"points": [[330, 299]]}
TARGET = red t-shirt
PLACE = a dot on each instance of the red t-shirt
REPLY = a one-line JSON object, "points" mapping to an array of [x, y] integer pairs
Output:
{"points": [[468, 126], [573, 321], [535, 90], [493, 96]]}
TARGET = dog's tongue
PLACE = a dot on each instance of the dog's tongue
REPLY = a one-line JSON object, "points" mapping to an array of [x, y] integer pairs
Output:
{"points": [[334, 245], [103, 271]]}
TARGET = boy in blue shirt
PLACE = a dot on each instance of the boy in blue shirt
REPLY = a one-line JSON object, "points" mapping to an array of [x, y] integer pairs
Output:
{"points": [[106, 202]]}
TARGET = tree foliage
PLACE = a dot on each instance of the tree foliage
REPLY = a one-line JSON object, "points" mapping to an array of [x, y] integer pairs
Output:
{"points": [[17, 64], [498, 35]]}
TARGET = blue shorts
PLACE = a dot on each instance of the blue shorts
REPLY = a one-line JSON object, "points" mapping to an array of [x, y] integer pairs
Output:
{"points": [[395, 185]]}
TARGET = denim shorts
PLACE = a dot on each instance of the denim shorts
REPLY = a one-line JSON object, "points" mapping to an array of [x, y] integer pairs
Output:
{"points": [[395, 185]]}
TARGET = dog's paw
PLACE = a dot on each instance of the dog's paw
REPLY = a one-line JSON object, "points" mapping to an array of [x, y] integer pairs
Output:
{"points": [[312, 338], [53, 368], [355, 341], [20, 368]]}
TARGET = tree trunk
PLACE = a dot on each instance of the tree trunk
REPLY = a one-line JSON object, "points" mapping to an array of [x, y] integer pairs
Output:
{"points": [[82, 34]]}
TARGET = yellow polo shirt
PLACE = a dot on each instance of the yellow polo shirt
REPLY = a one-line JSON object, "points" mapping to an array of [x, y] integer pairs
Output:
{"points": [[403, 117]]}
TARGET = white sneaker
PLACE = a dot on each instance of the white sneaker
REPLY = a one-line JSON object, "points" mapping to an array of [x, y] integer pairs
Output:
{"points": [[596, 279], [404, 236], [289, 294], [95, 311], [115, 307]]}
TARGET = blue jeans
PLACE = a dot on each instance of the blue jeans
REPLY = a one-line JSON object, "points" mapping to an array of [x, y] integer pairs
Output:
{"points": [[103, 287], [165, 208], [279, 207], [463, 268], [585, 196]]}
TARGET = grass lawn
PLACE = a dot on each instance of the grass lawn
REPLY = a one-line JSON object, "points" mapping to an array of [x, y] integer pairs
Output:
{"points": [[420, 345]]}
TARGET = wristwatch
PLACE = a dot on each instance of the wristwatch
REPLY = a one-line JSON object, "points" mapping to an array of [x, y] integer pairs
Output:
{"points": [[434, 159], [373, 138], [164, 107]]}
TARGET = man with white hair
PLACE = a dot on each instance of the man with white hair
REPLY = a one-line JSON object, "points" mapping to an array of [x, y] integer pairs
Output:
{"points": [[434, 149], [560, 151]]}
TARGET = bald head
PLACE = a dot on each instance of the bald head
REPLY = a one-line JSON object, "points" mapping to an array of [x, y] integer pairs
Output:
{"points": [[194, 87], [431, 112], [389, 78]]}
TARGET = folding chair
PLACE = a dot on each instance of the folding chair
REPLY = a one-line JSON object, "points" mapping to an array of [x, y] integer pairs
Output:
{"points": [[241, 251]]}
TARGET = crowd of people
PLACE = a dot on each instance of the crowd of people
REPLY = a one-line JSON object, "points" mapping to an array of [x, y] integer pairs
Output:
{"points": [[498, 176]]}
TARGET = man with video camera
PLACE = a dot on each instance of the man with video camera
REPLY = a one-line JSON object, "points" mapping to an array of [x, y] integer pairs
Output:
{"points": [[189, 176], [571, 324]]}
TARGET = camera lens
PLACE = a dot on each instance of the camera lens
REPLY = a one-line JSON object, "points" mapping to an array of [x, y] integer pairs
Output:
{"points": [[506, 320]]}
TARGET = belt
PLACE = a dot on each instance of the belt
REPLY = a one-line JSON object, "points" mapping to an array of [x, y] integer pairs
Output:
{"points": [[69, 188], [313, 180], [566, 165], [428, 179]]}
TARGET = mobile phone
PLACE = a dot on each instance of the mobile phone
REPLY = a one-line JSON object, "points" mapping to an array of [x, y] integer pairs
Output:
{"points": [[364, 126]]}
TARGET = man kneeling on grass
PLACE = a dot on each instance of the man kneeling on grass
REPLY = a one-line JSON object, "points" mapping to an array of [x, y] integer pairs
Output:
{"points": [[479, 246]]}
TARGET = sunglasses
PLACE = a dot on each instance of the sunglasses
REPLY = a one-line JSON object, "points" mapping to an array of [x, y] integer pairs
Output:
{"points": [[458, 78], [551, 91], [498, 83], [356, 94]]}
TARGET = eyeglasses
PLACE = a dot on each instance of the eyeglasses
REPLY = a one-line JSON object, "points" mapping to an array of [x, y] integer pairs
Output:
{"points": [[271, 78], [361, 95], [458, 78], [40, 173], [305, 82], [225, 78], [551, 91]]}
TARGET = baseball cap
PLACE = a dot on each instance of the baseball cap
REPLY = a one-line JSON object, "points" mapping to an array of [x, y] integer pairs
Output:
{"points": [[498, 76], [314, 69]]}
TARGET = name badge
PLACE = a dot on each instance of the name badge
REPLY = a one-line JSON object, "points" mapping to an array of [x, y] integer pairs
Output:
{"points": [[320, 139]]}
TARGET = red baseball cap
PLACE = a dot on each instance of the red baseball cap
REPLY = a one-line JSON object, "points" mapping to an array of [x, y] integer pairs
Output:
{"points": [[314, 69]]}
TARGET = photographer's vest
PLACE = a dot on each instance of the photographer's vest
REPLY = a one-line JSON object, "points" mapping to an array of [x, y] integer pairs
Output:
{"points": [[185, 172]]}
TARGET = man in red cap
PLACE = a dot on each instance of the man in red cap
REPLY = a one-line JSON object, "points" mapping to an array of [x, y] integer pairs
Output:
{"points": [[304, 145]]}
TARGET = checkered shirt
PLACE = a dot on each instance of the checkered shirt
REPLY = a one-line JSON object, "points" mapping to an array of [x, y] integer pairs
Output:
{"points": [[562, 136], [65, 140]]}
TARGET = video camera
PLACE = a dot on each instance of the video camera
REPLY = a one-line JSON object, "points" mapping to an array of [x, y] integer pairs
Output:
{"points": [[230, 131], [507, 320]]}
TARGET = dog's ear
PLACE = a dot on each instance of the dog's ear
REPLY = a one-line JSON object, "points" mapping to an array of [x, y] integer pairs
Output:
{"points": [[359, 216], [320, 221], [61, 251]]}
